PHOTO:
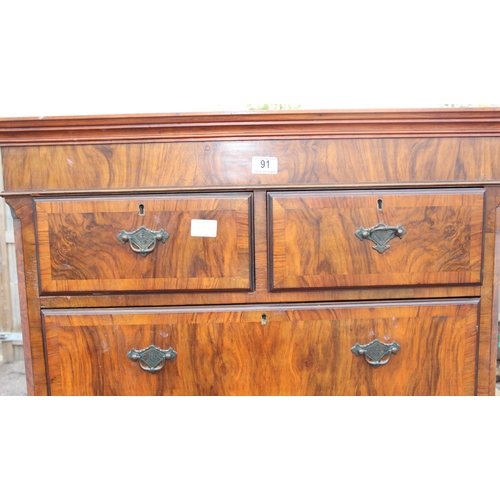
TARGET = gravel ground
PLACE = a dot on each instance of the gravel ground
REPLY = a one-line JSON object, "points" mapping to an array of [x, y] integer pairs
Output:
{"points": [[12, 379]]}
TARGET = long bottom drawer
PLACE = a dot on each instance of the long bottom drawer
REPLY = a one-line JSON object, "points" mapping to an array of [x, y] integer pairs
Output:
{"points": [[390, 348]]}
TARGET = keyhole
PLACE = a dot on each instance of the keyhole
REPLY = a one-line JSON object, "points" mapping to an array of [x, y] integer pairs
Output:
{"points": [[264, 319], [141, 209], [380, 204]]}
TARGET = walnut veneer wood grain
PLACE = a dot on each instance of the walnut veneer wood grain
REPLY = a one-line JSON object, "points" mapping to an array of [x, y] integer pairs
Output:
{"points": [[487, 349], [219, 164], [285, 248], [301, 350], [314, 243], [80, 251], [29, 287]]}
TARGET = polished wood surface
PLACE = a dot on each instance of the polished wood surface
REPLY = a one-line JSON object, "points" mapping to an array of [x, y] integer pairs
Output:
{"points": [[80, 250], [261, 293], [283, 251], [487, 351], [251, 124], [29, 294], [219, 164], [314, 242], [299, 350], [257, 297]]}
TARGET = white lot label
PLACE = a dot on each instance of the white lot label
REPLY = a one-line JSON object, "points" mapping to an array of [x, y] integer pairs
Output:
{"points": [[206, 228], [264, 165]]}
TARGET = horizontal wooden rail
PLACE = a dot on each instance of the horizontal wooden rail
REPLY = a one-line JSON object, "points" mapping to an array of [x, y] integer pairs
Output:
{"points": [[453, 122]]}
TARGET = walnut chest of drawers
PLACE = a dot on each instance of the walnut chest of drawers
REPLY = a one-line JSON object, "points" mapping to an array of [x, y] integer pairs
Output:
{"points": [[286, 253]]}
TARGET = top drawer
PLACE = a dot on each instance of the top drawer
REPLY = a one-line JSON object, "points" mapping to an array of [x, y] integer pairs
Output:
{"points": [[109, 244], [375, 238]]}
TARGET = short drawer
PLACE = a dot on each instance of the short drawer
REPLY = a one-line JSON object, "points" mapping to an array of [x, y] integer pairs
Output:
{"points": [[375, 238], [391, 348], [178, 242]]}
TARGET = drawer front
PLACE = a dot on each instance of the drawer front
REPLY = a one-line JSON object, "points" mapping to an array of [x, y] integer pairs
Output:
{"points": [[393, 348], [375, 238], [146, 243]]}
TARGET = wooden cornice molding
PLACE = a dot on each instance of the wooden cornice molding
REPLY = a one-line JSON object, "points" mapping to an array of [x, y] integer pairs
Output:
{"points": [[443, 122]]}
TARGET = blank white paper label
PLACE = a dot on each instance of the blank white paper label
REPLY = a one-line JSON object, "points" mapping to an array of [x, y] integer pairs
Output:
{"points": [[205, 228], [264, 165]]}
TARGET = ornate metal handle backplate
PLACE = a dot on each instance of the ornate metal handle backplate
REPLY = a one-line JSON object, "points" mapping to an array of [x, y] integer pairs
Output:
{"points": [[152, 359], [143, 240], [380, 235], [376, 353]]}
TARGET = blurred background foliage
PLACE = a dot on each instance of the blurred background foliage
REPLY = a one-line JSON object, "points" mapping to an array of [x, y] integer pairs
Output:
{"points": [[272, 107], [278, 107], [470, 105]]}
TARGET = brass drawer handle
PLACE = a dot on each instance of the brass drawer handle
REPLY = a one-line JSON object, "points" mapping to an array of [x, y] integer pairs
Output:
{"points": [[380, 235], [143, 240], [152, 359], [376, 353]]}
